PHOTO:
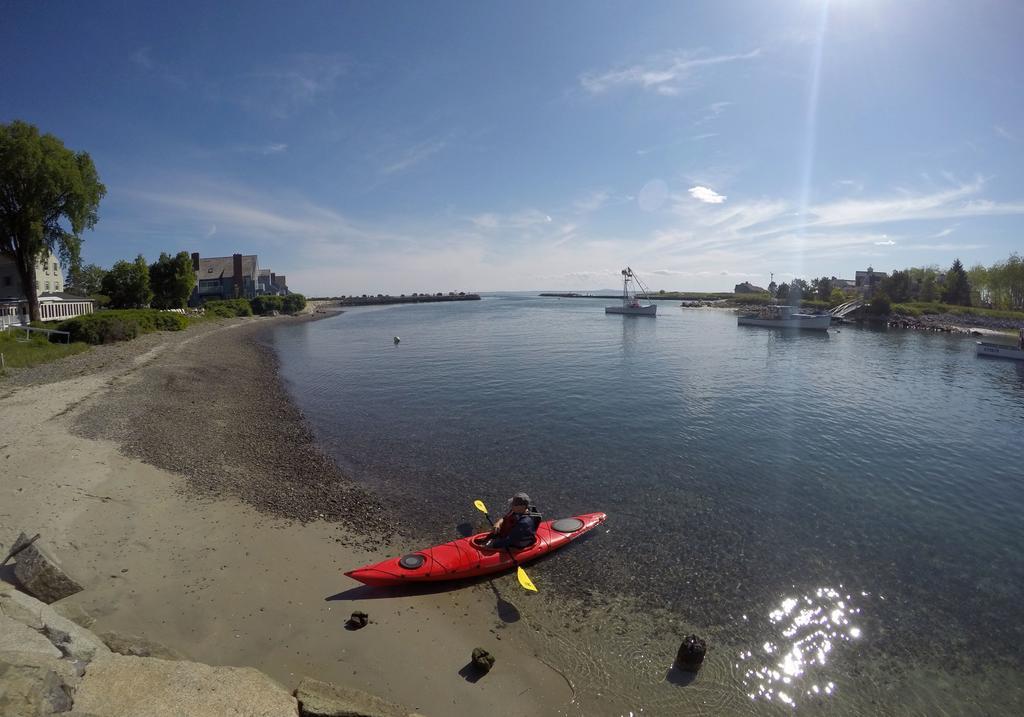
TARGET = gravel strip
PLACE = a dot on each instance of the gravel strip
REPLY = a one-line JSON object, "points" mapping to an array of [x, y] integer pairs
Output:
{"points": [[208, 404]]}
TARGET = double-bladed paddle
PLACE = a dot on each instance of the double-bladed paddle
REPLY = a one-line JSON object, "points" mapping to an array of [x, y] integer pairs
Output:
{"points": [[524, 579]]}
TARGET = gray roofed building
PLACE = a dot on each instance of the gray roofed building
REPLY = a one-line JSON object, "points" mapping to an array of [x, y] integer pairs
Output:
{"points": [[232, 277]]}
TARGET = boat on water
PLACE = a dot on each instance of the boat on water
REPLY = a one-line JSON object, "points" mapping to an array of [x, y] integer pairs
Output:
{"points": [[1000, 351], [469, 557], [631, 298], [776, 316]]}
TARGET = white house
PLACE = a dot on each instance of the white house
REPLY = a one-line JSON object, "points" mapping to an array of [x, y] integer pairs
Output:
{"points": [[54, 304]]}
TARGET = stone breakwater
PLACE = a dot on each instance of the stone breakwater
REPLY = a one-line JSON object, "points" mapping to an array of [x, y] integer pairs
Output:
{"points": [[50, 664]]}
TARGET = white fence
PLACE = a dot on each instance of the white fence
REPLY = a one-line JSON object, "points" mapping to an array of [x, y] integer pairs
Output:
{"points": [[17, 314]]}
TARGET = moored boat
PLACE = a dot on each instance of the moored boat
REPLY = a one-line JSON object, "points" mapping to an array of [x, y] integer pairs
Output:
{"points": [[783, 317], [1000, 351], [468, 557], [631, 304]]}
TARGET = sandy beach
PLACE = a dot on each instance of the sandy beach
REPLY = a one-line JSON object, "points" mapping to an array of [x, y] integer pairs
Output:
{"points": [[177, 483]]}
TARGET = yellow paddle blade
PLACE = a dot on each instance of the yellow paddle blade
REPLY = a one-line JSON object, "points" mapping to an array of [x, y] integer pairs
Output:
{"points": [[525, 581], [480, 506]]}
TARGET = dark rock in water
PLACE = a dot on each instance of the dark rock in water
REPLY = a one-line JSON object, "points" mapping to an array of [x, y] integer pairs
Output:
{"points": [[40, 574], [482, 659], [358, 621], [691, 653]]}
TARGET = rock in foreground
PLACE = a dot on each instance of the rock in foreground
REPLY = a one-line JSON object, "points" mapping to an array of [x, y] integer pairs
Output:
{"points": [[120, 685], [41, 574]]}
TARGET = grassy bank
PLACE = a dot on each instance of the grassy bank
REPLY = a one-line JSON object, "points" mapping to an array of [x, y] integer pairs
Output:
{"points": [[934, 308], [36, 350]]}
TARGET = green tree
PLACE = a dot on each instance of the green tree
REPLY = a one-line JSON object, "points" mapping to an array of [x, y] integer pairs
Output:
{"points": [[49, 195], [172, 279], [822, 288], [880, 304], [798, 289], [929, 290], [86, 280], [783, 291], [898, 286], [127, 284], [958, 289], [837, 297], [294, 303]]}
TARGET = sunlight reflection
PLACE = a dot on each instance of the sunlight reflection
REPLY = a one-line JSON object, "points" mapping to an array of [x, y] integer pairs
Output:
{"points": [[791, 662]]}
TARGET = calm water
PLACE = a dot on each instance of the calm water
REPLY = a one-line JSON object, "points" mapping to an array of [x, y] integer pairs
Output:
{"points": [[840, 514]]}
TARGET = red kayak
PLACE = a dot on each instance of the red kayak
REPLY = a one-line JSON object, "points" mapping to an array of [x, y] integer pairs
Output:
{"points": [[467, 558]]}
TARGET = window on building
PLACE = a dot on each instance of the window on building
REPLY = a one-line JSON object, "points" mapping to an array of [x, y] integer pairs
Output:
{"points": [[47, 286], [54, 267]]}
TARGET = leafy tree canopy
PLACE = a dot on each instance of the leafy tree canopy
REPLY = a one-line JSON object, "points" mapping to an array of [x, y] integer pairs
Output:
{"points": [[958, 289], [49, 195], [127, 284], [172, 280], [86, 280]]}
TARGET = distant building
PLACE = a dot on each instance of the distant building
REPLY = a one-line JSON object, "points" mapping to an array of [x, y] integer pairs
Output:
{"points": [[233, 277], [271, 283], [747, 288], [54, 304], [843, 284], [867, 281]]}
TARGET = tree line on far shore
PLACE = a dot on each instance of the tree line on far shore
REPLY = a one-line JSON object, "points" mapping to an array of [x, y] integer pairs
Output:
{"points": [[1000, 286]]}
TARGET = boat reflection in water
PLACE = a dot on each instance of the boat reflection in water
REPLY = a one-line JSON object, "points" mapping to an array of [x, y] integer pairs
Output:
{"points": [[783, 317], [791, 664]]}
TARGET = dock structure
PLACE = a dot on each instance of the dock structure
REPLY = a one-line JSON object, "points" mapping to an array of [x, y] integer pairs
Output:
{"points": [[844, 310]]}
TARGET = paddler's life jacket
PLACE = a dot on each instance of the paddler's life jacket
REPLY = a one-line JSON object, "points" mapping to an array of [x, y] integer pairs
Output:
{"points": [[524, 526]]}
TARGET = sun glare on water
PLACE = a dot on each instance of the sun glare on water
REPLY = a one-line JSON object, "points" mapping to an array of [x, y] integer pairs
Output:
{"points": [[790, 666]]}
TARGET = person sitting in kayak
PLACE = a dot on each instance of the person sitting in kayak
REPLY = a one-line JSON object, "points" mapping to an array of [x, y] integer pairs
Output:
{"points": [[517, 529]]}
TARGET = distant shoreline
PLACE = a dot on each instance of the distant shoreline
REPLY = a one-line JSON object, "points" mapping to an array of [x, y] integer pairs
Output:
{"points": [[417, 299]]}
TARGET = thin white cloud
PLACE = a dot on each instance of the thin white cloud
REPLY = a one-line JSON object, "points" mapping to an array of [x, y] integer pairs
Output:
{"points": [[143, 58], [665, 74], [293, 83], [517, 220], [265, 149], [413, 156], [712, 112], [211, 231], [592, 202], [707, 195], [944, 233], [1005, 133], [887, 242]]}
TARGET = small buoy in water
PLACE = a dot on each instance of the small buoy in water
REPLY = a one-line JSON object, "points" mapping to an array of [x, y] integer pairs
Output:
{"points": [[397, 339]]}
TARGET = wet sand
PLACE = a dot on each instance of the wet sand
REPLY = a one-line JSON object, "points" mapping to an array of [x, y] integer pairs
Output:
{"points": [[176, 482]]}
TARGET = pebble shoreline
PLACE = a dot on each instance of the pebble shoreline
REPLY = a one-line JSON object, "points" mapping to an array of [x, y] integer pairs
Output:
{"points": [[208, 403]]}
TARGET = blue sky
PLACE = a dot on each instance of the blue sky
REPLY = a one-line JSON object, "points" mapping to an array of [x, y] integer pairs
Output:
{"points": [[398, 147]]}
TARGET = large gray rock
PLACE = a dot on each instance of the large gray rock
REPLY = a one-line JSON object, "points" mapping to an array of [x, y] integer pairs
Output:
{"points": [[18, 637], [136, 646], [73, 641], [74, 613], [41, 574], [28, 689], [149, 687], [322, 699]]}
